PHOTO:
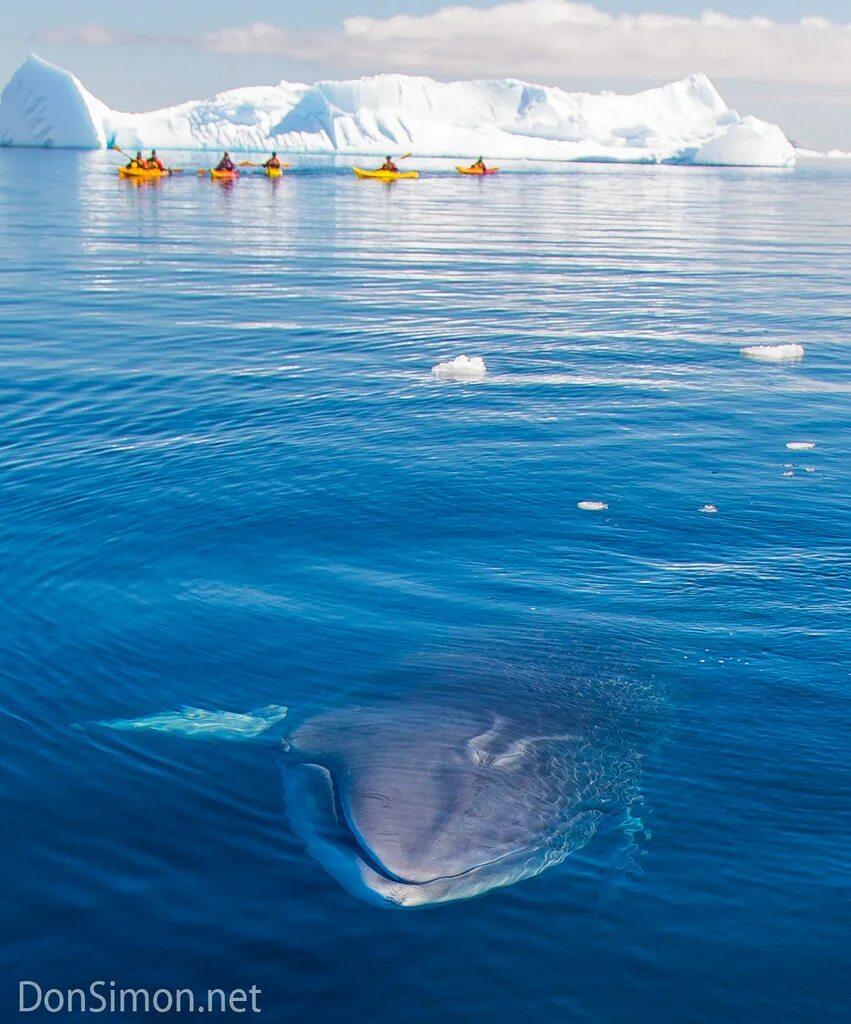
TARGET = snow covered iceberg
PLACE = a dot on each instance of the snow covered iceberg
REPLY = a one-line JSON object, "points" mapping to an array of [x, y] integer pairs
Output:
{"points": [[684, 122]]}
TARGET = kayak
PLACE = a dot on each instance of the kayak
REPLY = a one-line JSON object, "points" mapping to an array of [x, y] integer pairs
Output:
{"points": [[274, 172], [385, 175], [142, 172], [476, 170], [223, 175]]}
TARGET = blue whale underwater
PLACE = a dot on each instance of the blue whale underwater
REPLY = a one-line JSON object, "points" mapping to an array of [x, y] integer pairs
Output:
{"points": [[470, 782]]}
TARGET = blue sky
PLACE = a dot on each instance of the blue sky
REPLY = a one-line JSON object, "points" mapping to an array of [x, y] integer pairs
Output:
{"points": [[801, 78]]}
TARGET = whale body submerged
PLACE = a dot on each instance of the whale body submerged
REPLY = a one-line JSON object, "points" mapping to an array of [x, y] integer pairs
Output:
{"points": [[409, 807], [454, 789]]}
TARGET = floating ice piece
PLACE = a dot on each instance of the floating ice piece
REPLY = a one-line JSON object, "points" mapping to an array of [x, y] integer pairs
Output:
{"points": [[708, 508], [800, 446], [684, 122], [774, 353], [592, 506], [809, 469], [196, 722], [789, 472], [461, 368]]}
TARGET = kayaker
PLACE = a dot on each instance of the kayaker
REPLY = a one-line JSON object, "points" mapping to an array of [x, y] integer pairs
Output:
{"points": [[480, 164], [139, 161], [388, 165], [154, 162], [272, 162], [226, 164]]}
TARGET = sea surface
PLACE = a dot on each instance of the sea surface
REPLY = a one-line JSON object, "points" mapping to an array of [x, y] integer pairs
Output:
{"points": [[230, 478]]}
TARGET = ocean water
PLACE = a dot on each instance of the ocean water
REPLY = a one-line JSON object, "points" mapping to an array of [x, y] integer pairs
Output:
{"points": [[229, 478]]}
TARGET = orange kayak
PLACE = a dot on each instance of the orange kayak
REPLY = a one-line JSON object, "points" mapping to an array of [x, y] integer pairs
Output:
{"points": [[223, 175], [476, 170]]}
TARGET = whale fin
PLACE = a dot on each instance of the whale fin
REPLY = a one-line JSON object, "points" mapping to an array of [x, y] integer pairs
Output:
{"points": [[207, 724]]}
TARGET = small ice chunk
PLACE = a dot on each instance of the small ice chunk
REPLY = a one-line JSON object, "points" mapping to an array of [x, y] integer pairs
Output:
{"points": [[461, 368], [708, 508], [800, 446], [774, 353], [592, 506], [788, 473], [809, 469]]}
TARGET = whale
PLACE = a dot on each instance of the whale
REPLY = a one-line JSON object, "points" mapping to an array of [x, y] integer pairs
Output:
{"points": [[451, 787]]}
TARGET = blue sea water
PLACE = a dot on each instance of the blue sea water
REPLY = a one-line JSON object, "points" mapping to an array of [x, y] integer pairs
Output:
{"points": [[229, 478]]}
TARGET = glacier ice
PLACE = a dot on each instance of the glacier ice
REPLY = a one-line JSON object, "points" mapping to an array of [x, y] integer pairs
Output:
{"points": [[684, 122]]}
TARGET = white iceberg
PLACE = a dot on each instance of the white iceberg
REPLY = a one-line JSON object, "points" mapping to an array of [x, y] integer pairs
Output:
{"points": [[790, 353], [592, 506], [800, 446], [461, 368], [684, 122]]}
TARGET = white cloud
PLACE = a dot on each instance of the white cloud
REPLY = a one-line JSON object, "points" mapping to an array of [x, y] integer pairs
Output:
{"points": [[100, 35], [556, 39]]}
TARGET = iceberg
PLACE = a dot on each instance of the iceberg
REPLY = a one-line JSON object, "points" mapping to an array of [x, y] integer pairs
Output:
{"points": [[685, 122]]}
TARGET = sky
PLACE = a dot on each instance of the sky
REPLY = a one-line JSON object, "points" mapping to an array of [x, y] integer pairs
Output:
{"points": [[788, 61]]}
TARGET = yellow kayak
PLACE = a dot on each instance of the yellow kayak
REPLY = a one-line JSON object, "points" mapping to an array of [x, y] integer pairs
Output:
{"points": [[223, 175], [476, 170], [385, 175], [274, 172], [141, 172]]}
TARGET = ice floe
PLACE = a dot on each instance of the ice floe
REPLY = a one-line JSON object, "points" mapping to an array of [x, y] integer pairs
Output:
{"points": [[790, 353], [461, 368], [800, 446], [592, 506], [708, 508]]}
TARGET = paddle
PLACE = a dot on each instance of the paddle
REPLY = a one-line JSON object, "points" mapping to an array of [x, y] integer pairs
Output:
{"points": [[248, 163], [404, 156]]}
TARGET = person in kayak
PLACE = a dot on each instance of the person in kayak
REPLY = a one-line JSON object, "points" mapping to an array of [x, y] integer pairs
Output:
{"points": [[273, 163], [139, 161], [154, 163], [226, 164], [388, 165], [480, 165]]}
